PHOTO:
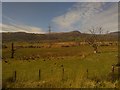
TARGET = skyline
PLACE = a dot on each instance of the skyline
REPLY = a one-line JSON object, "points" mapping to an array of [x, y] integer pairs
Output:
{"points": [[35, 17]]}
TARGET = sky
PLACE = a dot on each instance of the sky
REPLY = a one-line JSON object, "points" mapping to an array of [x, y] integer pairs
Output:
{"points": [[35, 17], [60, 0]]}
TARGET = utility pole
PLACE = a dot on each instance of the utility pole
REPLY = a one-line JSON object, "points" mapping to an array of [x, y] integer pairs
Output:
{"points": [[49, 29], [49, 32]]}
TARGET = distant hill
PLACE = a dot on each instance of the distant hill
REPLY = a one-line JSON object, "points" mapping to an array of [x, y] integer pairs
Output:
{"points": [[64, 36], [115, 33]]}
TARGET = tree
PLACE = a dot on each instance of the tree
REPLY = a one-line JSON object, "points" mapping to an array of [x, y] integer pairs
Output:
{"points": [[93, 39]]}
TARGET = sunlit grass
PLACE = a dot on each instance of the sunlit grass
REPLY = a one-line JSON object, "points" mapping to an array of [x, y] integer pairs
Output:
{"points": [[74, 60]]}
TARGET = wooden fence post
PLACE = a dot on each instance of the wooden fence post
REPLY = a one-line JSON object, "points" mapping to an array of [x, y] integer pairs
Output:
{"points": [[63, 74], [12, 51], [87, 73], [39, 74], [15, 75], [113, 72], [118, 72]]}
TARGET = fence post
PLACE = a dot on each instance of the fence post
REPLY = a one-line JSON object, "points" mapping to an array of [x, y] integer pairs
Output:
{"points": [[39, 74], [12, 51], [113, 72], [15, 75], [63, 74], [118, 72], [87, 73]]}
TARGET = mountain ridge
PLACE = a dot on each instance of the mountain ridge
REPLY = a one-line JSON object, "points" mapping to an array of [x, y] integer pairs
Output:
{"points": [[64, 36]]}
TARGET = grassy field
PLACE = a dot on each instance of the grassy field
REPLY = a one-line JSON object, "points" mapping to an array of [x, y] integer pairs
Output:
{"points": [[82, 68]]}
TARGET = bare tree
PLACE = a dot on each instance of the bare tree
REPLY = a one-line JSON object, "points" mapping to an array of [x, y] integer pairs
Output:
{"points": [[93, 39]]}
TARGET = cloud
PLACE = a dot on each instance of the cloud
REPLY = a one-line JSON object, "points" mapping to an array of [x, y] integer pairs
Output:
{"points": [[15, 26], [84, 15], [20, 28], [108, 19]]}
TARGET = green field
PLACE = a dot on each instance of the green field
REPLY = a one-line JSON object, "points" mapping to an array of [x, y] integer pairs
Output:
{"points": [[82, 67]]}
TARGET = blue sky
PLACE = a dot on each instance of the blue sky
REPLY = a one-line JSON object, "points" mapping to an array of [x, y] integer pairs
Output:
{"points": [[35, 17], [33, 14]]}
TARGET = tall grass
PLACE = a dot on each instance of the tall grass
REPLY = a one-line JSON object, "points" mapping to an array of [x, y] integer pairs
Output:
{"points": [[74, 60]]}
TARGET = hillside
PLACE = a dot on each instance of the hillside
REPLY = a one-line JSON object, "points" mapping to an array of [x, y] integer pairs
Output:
{"points": [[64, 36]]}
